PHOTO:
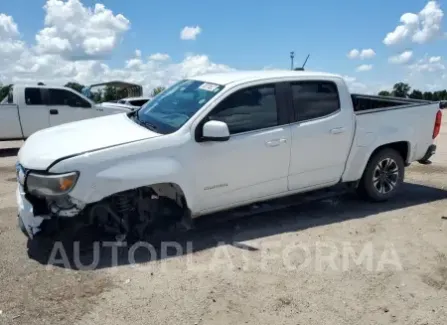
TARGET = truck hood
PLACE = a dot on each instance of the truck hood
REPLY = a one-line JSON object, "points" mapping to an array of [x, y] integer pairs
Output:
{"points": [[42, 148]]}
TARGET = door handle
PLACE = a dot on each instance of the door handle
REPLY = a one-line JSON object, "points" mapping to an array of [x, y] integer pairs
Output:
{"points": [[338, 130], [275, 142], [54, 111], [100, 109]]}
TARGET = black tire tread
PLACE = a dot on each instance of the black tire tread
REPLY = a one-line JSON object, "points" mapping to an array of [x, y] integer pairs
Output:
{"points": [[366, 189]]}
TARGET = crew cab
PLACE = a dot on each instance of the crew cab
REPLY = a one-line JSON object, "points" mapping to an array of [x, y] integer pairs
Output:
{"points": [[28, 109], [218, 142]]}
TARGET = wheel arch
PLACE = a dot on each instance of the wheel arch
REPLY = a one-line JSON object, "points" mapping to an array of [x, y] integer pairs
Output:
{"points": [[362, 155], [165, 174]]}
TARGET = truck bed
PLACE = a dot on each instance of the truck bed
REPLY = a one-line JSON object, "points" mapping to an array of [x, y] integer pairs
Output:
{"points": [[409, 128], [370, 103]]}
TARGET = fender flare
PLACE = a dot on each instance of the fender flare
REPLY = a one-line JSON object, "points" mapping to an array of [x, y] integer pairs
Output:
{"points": [[94, 185]]}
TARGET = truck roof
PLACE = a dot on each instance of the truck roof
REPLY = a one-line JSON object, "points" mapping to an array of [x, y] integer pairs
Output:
{"points": [[225, 78], [136, 98], [24, 85]]}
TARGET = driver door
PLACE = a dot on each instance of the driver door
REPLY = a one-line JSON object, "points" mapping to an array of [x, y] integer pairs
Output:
{"points": [[253, 164], [67, 106]]}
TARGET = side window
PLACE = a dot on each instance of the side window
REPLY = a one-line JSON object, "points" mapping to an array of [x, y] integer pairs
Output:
{"points": [[314, 99], [33, 96], [62, 97], [140, 102], [248, 109]]}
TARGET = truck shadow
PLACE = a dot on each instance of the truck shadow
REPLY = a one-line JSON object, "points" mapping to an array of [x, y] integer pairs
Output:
{"points": [[8, 152], [210, 233]]}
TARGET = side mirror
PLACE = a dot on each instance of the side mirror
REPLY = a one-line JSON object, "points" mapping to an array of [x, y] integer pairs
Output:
{"points": [[215, 131]]}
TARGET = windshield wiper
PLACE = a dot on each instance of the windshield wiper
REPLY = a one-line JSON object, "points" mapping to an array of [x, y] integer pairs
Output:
{"points": [[150, 126], [146, 124]]}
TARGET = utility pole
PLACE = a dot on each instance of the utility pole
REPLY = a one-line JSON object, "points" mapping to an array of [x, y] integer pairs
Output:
{"points": [[292, 55]]}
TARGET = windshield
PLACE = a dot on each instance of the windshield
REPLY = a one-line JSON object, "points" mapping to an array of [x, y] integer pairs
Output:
{"points": [[172, 108]]}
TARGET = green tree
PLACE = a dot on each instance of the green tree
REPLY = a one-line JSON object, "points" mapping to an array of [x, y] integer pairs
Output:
{"points": [[157, 90], [443, 94], [401, 89], [74, 85], [110, 93], [428, 95], [384, 93], [416, 94], [437, 96], [4, 90], [97, 96]]}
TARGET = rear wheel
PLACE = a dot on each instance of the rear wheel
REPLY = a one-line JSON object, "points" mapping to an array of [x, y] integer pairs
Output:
{"points": [[383, 176]]}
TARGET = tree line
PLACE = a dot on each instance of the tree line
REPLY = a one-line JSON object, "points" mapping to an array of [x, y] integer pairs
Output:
{"points": [[402, 89], [109, 93]]}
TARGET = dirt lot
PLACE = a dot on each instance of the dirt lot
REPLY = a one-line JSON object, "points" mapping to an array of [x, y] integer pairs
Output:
{"points": [[289, 267]]}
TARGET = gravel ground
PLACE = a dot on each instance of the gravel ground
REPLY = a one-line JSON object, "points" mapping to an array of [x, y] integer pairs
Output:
{"points": [[288, 267]]}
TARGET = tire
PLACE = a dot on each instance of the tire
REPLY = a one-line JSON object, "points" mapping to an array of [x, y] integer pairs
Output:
{"points": [[383, 176]]}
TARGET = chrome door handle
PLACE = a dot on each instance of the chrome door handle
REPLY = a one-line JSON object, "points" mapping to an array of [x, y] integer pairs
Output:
{"points": [[275, 142], [338, 130]]}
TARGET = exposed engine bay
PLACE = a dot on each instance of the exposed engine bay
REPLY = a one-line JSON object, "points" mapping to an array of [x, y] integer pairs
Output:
{"points": [[132, 214]]}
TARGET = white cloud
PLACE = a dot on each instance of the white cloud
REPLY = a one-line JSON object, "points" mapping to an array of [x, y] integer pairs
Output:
{"points": [[353, 54], [354, 85], [62, 58], [434, 59], [401, 58], [76, 32], [363, 54], [190, 33], [159, 57], [420, 28], [427, 73], [54, 69], [367, 54], [364, 67], [428, 64], [10, 45], [8, 28]]}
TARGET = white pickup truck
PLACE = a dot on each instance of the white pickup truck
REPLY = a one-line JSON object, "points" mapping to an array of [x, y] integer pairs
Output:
{"points": [[218, 142], [28, 109]]}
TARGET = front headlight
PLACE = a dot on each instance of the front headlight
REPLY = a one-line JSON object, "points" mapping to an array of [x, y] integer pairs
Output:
{"points": [[51, 185]]}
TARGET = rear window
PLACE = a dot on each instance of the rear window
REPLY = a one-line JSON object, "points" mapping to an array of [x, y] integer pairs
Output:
{"points": [[33, 96], [314, 99]]}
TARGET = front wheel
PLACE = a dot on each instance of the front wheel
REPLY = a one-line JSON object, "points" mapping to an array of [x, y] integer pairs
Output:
{"points": [[383, 176]]}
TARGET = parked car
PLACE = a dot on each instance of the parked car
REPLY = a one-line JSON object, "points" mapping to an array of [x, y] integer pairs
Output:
{"points": [[134, 101], [218, 142], [28, 109]]}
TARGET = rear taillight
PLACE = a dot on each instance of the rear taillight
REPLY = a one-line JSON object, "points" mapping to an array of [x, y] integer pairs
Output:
{"points": [[437, 127]]}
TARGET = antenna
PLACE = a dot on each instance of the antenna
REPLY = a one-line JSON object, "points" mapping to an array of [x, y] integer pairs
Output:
{"points": [[304, 64], [292, 55]]}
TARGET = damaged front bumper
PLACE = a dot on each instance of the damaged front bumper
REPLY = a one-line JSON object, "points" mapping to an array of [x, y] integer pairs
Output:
{"points": [[31, 218], [28, 222]]}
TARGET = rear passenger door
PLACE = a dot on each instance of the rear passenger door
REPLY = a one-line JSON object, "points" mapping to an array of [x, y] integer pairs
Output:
{"points": [[34, 111], [66, 106], [321, 135]]}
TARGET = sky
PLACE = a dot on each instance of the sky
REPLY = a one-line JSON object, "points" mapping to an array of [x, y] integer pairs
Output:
{"points": [[373, 43]]}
